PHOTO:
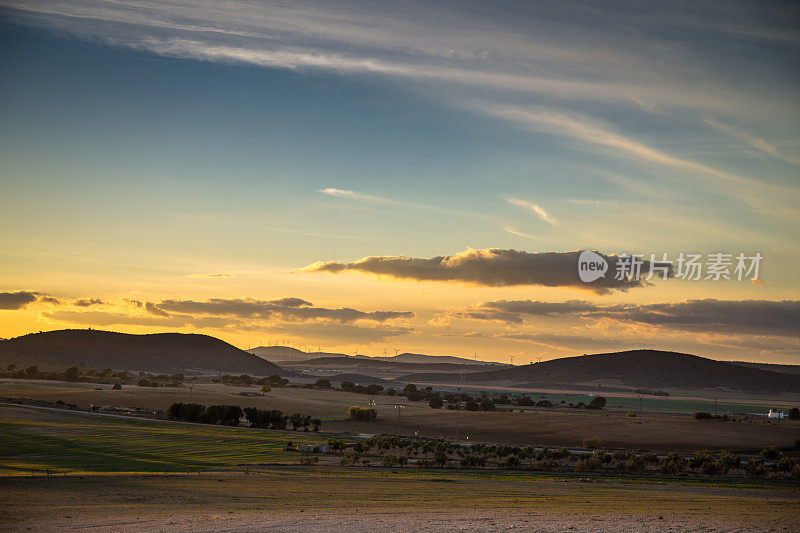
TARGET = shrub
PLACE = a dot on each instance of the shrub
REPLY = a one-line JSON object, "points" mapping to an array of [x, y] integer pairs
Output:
{"points": [[631, 414], [598, 402], [728, 461], [794, 413], [308, 460], [188, 412], [472, 406], [784, 465], [591, 442], [544, 403], [322, 384], [771, 454], [525, 401], [591, 463], [436, 402], [362, 414], [755, 468], [487, 405], [674, 464]]}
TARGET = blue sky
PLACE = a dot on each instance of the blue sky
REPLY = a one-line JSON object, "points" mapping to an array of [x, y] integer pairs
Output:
{"points": [[144, 146]]}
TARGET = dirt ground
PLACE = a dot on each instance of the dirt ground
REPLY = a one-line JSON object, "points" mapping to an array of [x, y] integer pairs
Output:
{"points": [[556, 426], [334, 499]]}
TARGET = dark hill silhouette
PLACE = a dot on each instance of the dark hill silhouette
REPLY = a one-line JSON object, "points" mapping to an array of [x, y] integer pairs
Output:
{"points": [[635, 368], [160, 352]]}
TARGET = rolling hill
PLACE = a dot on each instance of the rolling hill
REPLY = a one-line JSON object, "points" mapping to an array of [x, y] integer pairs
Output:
{"points": [[160, 352], [635, 368]]}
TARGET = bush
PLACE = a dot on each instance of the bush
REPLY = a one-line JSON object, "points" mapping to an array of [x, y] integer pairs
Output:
{"points": [[487, 405], [436, 402], [188, 412], [591, 463], [794, 413], [544, 403], [362, 414], [755, 468], [674, 464], [728, 461], [631, 414], [771, 454], [598, 402], [784, 465], [309, 460], [591, 442], [322, 384], [472, 406], [525, 401]]}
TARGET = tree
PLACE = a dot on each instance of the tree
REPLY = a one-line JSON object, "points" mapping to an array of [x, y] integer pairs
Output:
{"points": [[525, 401], [11, 367], [265, 389], [315, 423], [33, 371], [436, 402], [322, 384], [487, 405], [362, 414], [598, 402], [117, 386], [794, 413], [73, 373], [472, 405], [296, 420]]}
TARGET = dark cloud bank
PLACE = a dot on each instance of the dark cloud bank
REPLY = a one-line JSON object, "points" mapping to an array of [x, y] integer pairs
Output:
{"points": [[490, 267], [762, 317]]}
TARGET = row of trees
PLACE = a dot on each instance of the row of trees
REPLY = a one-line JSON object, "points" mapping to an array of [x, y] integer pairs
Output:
{"points": [[231, 415], [392, 450]]}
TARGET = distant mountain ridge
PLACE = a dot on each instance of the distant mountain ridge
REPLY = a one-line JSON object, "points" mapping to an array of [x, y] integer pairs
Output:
{"points": [[634, 368], [158, 352], [287, 353]]}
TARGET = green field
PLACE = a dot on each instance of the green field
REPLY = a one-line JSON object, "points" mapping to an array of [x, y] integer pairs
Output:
{"points": [[31, 441]]}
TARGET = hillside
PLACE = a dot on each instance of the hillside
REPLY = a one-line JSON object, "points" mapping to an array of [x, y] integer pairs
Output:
{"points": [[634, 368], [161, 352]]}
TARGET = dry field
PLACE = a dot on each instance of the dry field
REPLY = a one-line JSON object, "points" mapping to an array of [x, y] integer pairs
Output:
{"points": [[557, 427], [335, 499]]}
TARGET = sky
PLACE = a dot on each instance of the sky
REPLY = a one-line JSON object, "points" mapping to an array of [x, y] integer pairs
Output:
{"points": [[374, 177]]}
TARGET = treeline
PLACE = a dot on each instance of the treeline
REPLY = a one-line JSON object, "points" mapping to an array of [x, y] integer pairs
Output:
{"points": [[104, 376], [392, 450], [231, 415], [247, 380]]}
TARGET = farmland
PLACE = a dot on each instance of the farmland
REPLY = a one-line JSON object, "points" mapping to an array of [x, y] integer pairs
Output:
{"points": [[652, 429], [142, 474]]}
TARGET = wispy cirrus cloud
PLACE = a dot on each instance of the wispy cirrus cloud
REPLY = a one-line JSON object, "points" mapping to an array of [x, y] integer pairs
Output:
{"points": [[756, 142], [540, 212], [594, 132], [574, 68]]}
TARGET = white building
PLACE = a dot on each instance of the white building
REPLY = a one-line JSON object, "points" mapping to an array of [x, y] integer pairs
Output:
{"points": [[776, 414]]}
